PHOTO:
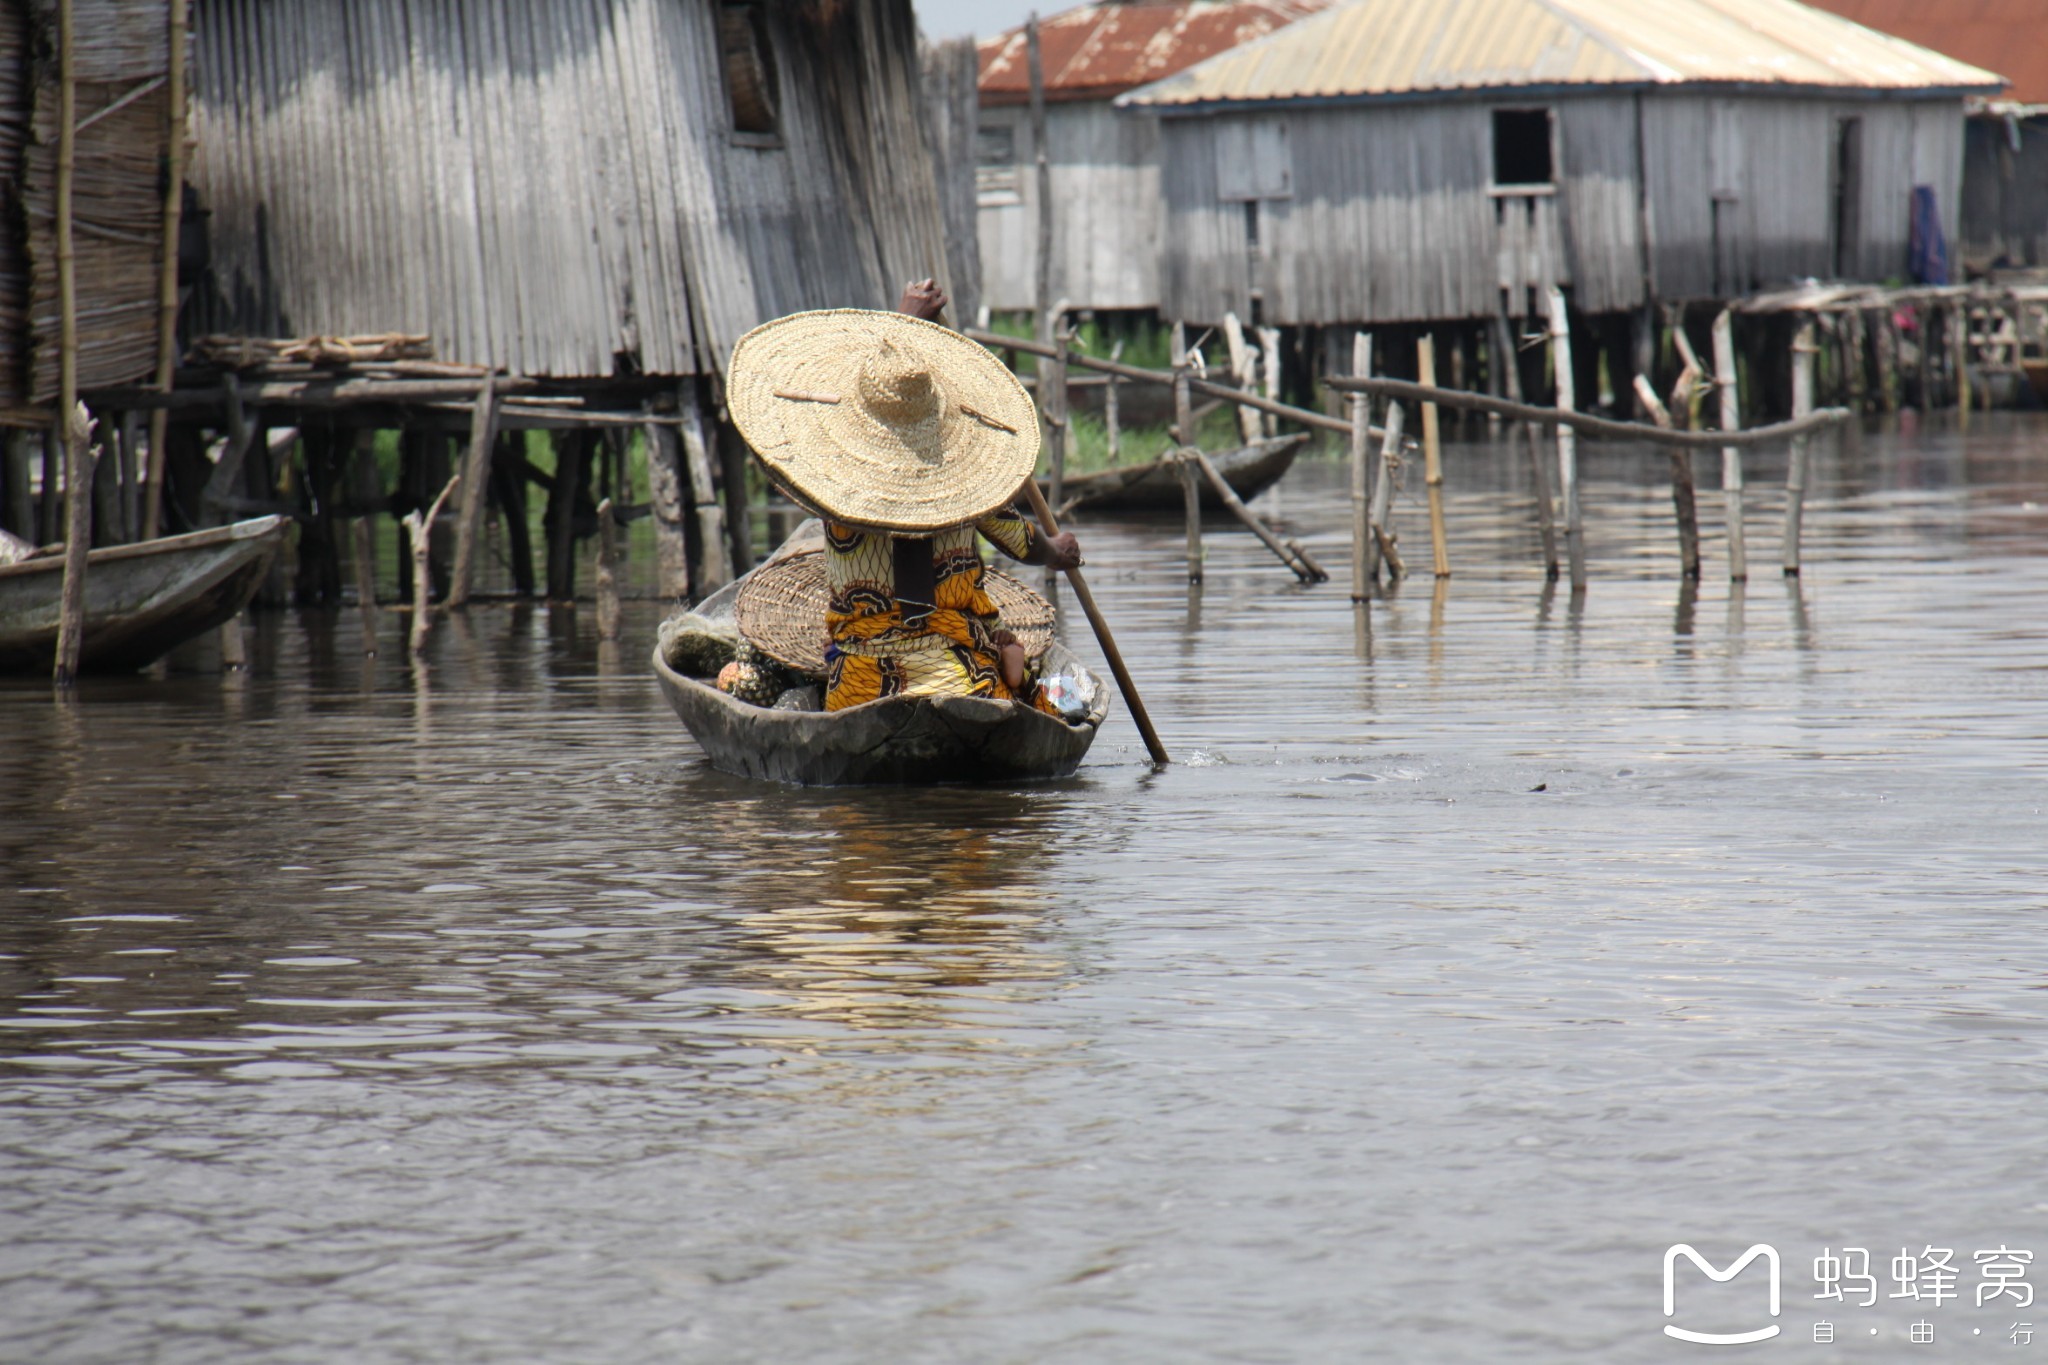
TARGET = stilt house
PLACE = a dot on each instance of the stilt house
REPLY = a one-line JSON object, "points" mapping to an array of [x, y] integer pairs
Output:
{"points": [[2004, 217], [1392, 162], [1104, 168], [605, 189]]}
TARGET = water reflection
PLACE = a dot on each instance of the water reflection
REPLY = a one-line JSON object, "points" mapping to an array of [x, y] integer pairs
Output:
{"points": [[898, 911]]}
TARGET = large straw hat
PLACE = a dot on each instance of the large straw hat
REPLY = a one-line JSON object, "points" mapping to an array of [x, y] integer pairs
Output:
{"points": [[881, 420], [781, 611]]}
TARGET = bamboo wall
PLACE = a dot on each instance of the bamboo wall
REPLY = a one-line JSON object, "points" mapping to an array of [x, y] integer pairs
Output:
{"points": [[1387, 215], [117, 205], [1106, 210], [554, 186]]}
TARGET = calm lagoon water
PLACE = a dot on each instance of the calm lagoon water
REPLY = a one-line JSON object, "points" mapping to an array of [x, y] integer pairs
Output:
{"points": [[1476, 950]]}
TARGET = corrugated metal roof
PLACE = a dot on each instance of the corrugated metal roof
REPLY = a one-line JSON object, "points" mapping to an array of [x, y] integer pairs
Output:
{"points": [[1098, 50], [1383, 48], [2005, 35]]}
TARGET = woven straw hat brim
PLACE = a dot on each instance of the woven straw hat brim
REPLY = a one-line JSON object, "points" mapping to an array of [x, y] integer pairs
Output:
{"points": [[794, 390], [781, 611]]}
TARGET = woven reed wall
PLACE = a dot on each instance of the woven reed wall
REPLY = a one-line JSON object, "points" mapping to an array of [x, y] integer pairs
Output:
{"points": [[117, 209]]}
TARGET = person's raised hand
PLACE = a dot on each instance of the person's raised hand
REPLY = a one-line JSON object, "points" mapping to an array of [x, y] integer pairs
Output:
{"points": [[1063, 552], [922, 299]]}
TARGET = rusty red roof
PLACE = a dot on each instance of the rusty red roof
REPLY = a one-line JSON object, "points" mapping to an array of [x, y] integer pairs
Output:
{"points": [[2006, 36], [1099, 50]]}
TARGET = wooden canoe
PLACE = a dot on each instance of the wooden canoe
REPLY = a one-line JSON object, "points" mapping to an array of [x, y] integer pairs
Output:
{"points": [[141, 601], [1155, 486], [903, 740]]}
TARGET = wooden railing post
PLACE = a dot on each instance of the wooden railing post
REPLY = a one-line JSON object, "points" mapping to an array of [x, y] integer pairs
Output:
{"points": [[1803, 351], [1567, 442], [1360, 406], [1731, 456]]}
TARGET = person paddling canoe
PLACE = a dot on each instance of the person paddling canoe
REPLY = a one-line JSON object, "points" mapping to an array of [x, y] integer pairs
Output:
{"points": [[908, 440]]}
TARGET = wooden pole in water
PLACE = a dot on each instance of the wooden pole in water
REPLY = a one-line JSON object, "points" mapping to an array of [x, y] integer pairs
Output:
{"points": [[1432, 460], [1361, 484], [1288, 553], [1042, 279], [1684, 503], [1803, 351], [422, 532], [1531, 440], [1111, 418], [607, 572], [1242, 365], [74, 428], [1960, 319], [476, 481], [167, 271], [1382, 514], [1114, 656], [364, 553], [1731, 456], [1269, 376], [1184, 435], [1567, 441]]}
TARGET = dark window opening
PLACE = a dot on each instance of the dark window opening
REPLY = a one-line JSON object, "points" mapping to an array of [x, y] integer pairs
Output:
{"points": [[997, 176], [750, 75], [1521, 147]]}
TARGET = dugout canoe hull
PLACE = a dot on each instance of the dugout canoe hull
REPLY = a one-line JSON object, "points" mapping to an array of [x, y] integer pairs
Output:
{"points": [[141, 601], [1155, 486], [899, 740]]}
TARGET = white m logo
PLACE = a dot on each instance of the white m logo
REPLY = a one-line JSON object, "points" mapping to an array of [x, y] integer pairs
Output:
{"points": [[1769, 1253]]}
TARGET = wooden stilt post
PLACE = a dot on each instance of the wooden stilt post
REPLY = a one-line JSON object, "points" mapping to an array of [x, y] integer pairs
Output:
{"points": [[1803, 351], [709, 573], [1886, 335], [1111, 418], [1567, 442], [668, 494], [74, 429], [131, 475], [1382, 514], [1432, 460], [17, 503], [363, 553], [607, 572], [1184, 437], [1731, 456], [77, 542], [573, 460], [167, 271], [1361, 460], [50, 511], [476, 483], [1960, 326]]}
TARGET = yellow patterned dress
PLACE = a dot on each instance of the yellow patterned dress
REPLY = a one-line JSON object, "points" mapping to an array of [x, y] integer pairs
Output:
{"points": [[908, 615]]}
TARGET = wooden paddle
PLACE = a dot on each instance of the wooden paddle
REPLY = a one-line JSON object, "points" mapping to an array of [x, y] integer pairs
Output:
{"points": [[1102, 635]]}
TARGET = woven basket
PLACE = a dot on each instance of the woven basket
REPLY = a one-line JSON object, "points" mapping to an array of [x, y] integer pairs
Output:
{"points": [[781, 611]]}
